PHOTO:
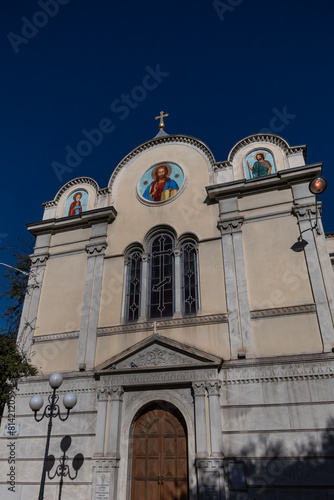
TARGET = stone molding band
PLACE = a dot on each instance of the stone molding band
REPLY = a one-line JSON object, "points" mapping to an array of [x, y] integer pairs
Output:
{"points": [[279, 372], [283, 311], [162, 325]]}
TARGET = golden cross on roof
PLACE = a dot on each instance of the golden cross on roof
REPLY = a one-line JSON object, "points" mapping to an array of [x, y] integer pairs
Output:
{"points": [[161, 118]]}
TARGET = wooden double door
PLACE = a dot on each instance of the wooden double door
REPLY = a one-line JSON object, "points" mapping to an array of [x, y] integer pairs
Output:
{"points": [[159, 457]]}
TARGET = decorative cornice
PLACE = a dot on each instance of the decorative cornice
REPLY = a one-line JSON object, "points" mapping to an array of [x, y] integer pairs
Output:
{"points": [[283, 311], [162, 325], [103, 191], [72, 183], [329, 235], [278, 372], [178, 139], [283, 178], [177, 377], [83, 220], [55, 336], [229, 226]]}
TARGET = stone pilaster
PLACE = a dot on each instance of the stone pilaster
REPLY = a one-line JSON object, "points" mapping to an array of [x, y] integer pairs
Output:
{"points": [[199, 391], [92, 293], [29, 313], [102, 397], [236, 287], [306, 214], [114, 432], [116, 399], [213, 388]]}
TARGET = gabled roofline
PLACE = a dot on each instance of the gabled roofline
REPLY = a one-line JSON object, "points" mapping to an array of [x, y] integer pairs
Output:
{"points": [[202, 356]]}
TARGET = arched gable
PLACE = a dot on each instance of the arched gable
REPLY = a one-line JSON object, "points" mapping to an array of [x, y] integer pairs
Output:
{"points": [[281, 156]]}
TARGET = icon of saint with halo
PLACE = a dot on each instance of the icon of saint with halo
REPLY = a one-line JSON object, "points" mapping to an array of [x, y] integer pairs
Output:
{"points": [[162, 187], [261, 166]]}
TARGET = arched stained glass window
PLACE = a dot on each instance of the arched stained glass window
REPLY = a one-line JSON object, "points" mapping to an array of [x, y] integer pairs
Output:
{"points": [[162, 277], [189, 278], [134, 286]]}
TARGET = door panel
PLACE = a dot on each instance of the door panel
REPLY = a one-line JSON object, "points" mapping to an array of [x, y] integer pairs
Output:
{"points": [[159, 458]]}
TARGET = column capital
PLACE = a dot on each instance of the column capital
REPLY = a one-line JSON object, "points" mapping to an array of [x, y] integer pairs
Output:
{"points": [[305, 211], [39, 259], [102, 394], [229, 226], [94, 249], [145, 257], [199, 388], [116, 393], [213, 388], [177, 252]]}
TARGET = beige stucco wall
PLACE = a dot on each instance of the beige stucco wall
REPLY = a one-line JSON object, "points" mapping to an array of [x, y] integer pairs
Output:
{"points": [[111, 294], [276, 275], [62, 294], [55, 356], [187, 211], [69, 241], [284, 335], [212, 288], [259, 204]]}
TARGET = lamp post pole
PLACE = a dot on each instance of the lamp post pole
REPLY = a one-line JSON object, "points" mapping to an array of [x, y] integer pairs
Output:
{"points": [[16, 269], [51, 411]]}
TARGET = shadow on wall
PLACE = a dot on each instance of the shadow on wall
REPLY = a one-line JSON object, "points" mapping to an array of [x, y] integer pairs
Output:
{"points": [[64, 469], [277, 475]]}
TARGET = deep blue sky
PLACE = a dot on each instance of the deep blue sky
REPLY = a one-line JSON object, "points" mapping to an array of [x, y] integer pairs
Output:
{"points": [[226, 75]]}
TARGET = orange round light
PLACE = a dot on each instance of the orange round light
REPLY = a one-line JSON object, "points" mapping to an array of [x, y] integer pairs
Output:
{"points": [[318, 185]]}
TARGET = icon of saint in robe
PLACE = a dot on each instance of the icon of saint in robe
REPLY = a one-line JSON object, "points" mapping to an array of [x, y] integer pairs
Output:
{"points": [[162, 187]]}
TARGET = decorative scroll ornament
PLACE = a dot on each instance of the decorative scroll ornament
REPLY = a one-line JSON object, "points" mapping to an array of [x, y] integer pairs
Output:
{"points": [[159, 357]]}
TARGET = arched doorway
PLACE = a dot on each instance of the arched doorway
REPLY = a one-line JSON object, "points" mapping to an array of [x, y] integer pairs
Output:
{"points": [[159, 455]]}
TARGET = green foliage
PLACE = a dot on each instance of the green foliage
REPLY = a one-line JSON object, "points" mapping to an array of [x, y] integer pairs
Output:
{"points": [[13, 365], [15, 287]]}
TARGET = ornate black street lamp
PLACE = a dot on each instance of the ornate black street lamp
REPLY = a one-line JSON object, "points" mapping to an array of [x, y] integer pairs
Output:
{"points": [[51, 411]]}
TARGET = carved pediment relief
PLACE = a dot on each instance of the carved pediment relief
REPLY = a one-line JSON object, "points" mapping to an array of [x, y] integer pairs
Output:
{"points": [[158, 352]]}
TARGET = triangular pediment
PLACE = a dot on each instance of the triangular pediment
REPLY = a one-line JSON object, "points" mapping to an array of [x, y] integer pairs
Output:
{"points": [[158, 352]]}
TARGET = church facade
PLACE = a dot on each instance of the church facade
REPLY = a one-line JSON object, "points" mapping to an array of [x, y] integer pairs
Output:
{"points": [[190, 306]]}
